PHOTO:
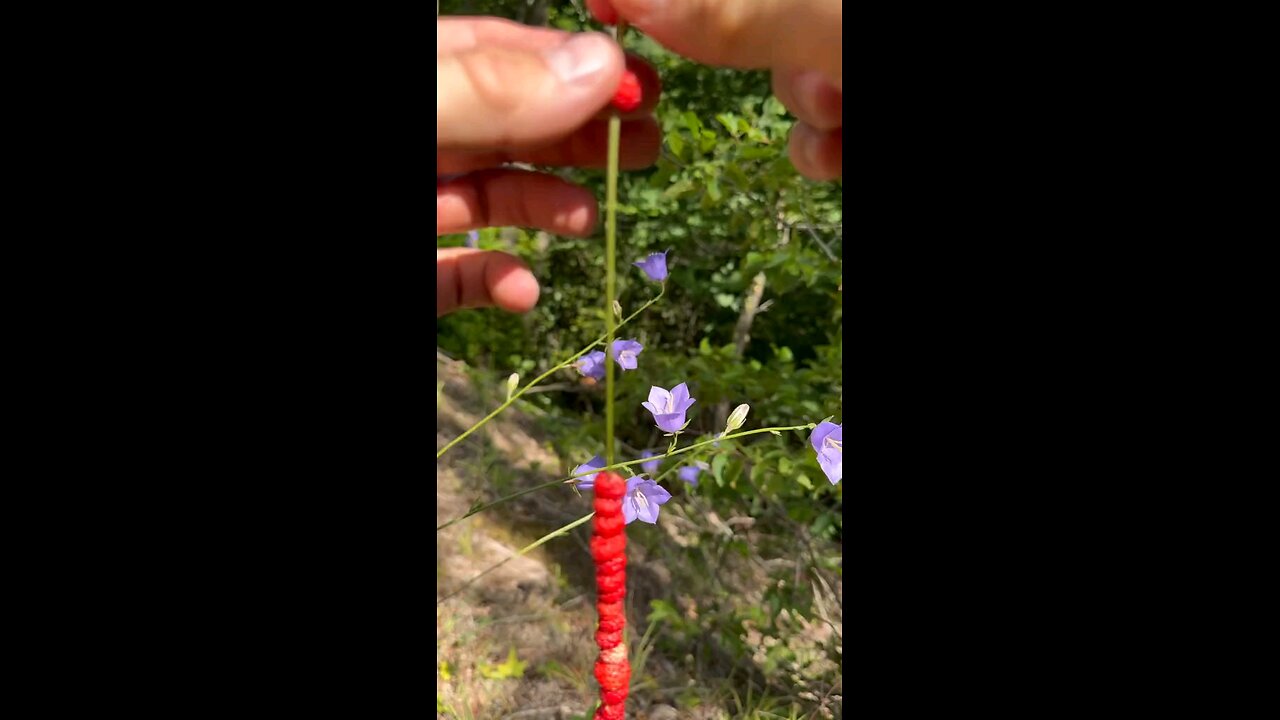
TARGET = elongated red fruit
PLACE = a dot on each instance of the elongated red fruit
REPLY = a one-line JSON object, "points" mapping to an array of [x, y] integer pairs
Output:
{"points": [[609, 550]]}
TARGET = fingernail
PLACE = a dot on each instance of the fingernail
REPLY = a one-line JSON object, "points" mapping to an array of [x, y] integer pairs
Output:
{"points": [[579, 58]]}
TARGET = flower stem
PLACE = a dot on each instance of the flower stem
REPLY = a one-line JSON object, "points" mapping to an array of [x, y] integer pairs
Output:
{"points": [[481, 508], [554, 533], [570, 479], [695, 446], [544, 376], [610, 282]]}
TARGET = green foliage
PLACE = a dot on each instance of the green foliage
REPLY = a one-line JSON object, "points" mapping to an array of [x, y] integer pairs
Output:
{"points": [[512, 668]]}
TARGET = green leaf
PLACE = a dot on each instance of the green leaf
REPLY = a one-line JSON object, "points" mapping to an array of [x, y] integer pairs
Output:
{"points": [[717, 467], [662, 610], [676, 143], [736, 176], [692, 122], [512, 668], [679, 188], [662, 177], [821, 524], [730, 123], [804, 481]]}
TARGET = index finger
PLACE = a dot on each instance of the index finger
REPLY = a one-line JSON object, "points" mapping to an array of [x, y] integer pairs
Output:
{"points": [[747, 34], [458, 34]]}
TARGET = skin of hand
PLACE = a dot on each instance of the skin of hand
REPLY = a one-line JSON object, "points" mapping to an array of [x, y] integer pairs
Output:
{"points": [[799, 40], [511, 93]]}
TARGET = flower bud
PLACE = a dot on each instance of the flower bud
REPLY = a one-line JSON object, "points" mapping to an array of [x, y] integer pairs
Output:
{"points": [[736, 418], [511, 384]]}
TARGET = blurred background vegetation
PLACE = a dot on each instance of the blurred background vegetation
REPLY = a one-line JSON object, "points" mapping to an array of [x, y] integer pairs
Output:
{"points": [[749, 605]]}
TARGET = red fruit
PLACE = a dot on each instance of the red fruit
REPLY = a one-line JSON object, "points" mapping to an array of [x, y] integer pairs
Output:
{"points": [[627, 98], [611, 583], [609, 567], [613, 697], [611, 610], [606, 548], [609, 550], [608, 506], [610, 485], [613, 676], [608, 639], [610, 712], [608, 525]]}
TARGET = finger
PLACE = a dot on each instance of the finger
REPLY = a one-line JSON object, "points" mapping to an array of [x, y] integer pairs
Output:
{"points": [[498, 198], [744, 33], [455, 35], [817, 154], [470, 278], [603, 11], [641, 141], [810, 97], [494, 97], [458, 34]]}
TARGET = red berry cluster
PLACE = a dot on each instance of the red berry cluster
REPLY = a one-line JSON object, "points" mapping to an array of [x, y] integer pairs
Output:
{"points": [[627, 98], [609, 550]]}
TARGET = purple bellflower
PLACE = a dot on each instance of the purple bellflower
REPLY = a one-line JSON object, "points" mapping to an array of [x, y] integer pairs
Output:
{"points": [[651, 466], [827, 440], [655, 266], [669, 408], [592, 365], [642, 500], [588, 482], [689, 473], [625, 352]]}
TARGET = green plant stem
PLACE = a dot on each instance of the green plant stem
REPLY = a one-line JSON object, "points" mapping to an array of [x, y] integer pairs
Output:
{"points": [[554, 533], [571, 478], [547, 374], [695, 446], [669, 470], [499, 501], [610, 273]]}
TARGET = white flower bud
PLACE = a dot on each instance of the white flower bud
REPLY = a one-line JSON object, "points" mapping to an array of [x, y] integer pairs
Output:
{"points": [[617, 309], [511, 384], [736, 418]]}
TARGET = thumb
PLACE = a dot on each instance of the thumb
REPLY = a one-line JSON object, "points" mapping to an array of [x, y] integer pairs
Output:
{"points": [[498, 97], [469, 278], [803, 34]]}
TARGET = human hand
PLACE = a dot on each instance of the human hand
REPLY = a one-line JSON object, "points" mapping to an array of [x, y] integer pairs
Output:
{"points": [[801, 41], [511, 93]]}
